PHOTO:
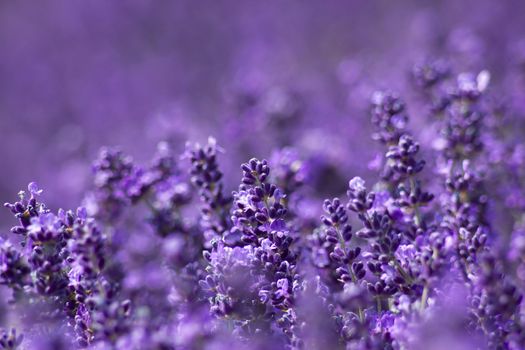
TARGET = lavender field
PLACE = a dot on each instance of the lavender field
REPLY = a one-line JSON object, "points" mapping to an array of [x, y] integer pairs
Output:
{"points": [[262, 175]]}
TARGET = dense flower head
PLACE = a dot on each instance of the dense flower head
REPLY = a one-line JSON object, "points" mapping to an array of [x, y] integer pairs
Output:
{"points": [[289, 170], [207, 177], [113, 176], [26, 208], [14, 269], [402, 156], [389, 116], [255, 282], [429, 73]]}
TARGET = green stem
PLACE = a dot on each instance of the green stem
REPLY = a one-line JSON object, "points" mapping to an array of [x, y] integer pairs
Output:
{"points": [[401, 270], [424, 298], [361, 314], [352, 274], [417, 217]]}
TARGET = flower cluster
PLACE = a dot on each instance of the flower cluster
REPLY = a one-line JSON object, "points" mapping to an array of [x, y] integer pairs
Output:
{"points": [[264, 258], [206, 176], [162, 258]]}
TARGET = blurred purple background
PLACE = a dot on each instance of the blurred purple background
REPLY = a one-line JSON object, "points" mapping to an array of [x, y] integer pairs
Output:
{"points": [[77, 75]]}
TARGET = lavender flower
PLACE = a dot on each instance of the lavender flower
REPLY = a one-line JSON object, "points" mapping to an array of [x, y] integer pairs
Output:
{"points": [[14, 269], [9, 340], [206, 176], [430, 73], [389, 117], [266, 260], [114, 174]]}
